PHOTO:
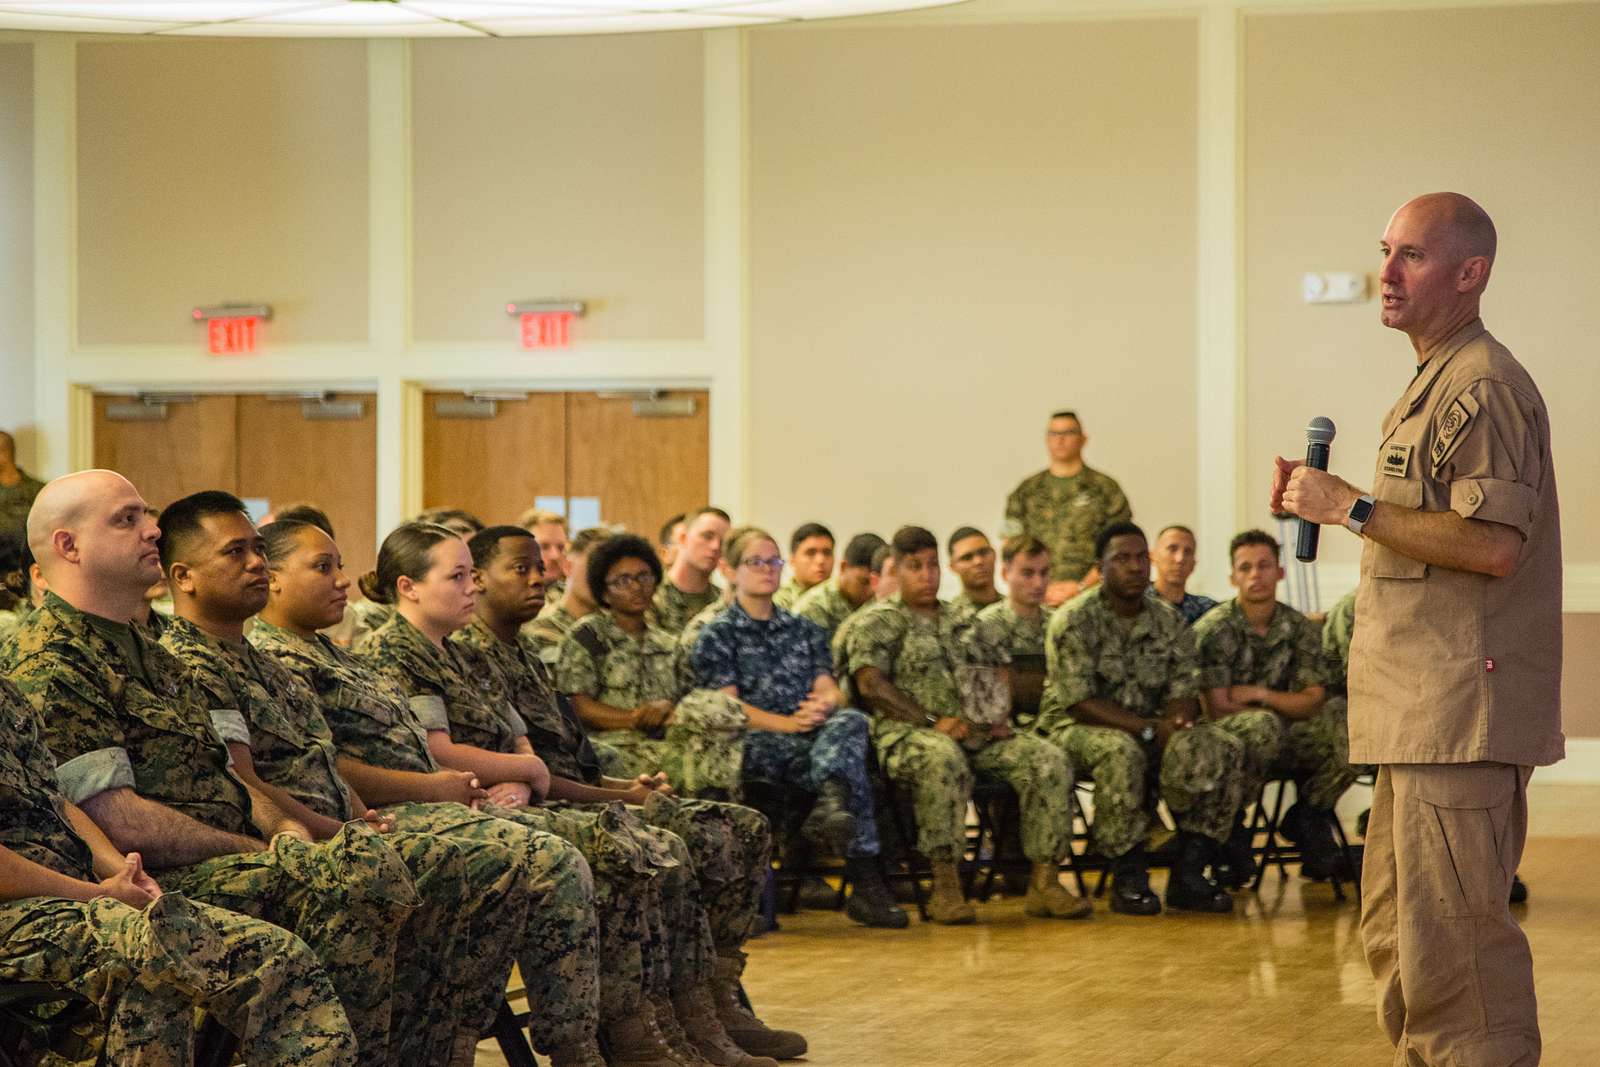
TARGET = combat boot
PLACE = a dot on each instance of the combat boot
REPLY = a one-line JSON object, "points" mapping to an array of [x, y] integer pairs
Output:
{"points": [[635, 1041], [586, 1054], [1048, 899], [672, 1032], [464, 1052], [1130, 884], [747, 1031], [1238, 857], [1188, 888], [948, 904], [870, 903], [830, 826], [697, 1015]]}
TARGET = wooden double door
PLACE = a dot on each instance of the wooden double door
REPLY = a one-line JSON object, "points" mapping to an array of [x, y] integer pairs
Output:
{"points": [[627, 459], [270, 449]]}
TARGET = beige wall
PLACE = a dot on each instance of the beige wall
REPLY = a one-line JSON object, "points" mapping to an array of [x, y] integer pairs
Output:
{"points": [[559, 169], [1346, 117], [218, 171], [952, 232], [16, 245], [1580, 677]]}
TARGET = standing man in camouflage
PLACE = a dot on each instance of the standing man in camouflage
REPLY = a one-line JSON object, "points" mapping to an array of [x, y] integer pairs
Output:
{"points": [[972, 558], [78, 914], [1065, 506], [904, 657], [1262, 669], [17, 490], [1122, 702], [1173, 559], [1010, 632], [138, 754], [833, 601], [686, 589], [810, 563]]}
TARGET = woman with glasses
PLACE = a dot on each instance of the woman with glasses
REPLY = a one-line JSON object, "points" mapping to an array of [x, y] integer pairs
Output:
{"points": [[778, 667]]}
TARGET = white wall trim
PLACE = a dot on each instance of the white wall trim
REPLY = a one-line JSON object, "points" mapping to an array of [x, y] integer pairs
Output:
{"points": [[55, 248]]}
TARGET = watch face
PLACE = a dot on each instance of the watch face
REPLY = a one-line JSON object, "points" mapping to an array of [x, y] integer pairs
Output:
{"points": [[1361, 510]]}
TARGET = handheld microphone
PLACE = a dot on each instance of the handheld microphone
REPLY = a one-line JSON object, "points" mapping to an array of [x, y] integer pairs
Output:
{"points": [[1319, 436]]}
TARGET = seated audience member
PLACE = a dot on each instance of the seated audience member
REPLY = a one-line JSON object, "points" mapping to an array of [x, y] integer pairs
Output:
{"points": [[778, 667], [905, 658], [1010, 632], [563, 609], [810, 563], [1122, 702], [83, 917], [972, 558], [453, 959], [17, 490], [459, 522], [883, 584], [622, 672], [354, 625], [698, 835], [385, 751], [1173, 561], [667, 540], [685, 590], [1262, 670], [1337, 630], [550, 530], [13, 586], [829, 603], [137, 752]]}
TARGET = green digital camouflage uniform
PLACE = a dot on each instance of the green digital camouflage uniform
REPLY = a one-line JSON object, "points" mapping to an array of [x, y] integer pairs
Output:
{"points": [[548, 631], [1337, 630], [139, 974], [671, 608], [921, 656], [1289, 658], [9, 622], [702, 751], [119, 712], [790, 592], [1091, 653], [556, 943], [686, 640], [966, 609], [15, 503], [826, 606], [999, 635], [459, 936], [1067, 514], [679, 951]]}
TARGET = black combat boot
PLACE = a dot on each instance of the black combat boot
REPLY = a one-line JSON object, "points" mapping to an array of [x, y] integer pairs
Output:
{"points": [[1236, 863], [830, 826], [1321, 857], [1188, 888], [871, 903], [1130, 884]]}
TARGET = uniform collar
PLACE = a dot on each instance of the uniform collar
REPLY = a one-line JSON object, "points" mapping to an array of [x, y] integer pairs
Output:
{"points": [[1432, 365]]}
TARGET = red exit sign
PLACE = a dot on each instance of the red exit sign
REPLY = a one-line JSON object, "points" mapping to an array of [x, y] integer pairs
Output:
{"points": [[231, 337], [546, 329]]}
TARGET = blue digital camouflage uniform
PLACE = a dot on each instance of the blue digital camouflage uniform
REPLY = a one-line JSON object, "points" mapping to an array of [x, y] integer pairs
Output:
{"points": [[773, 664], [1193, 606], [1091, 653], [921, 656], [119, 712], [1288, 658], [701, 750], [372, 723], [454, 954], [138, 975]]}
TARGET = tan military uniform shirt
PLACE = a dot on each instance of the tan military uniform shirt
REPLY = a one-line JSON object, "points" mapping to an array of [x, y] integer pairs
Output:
{"points": [[1448, 666]]}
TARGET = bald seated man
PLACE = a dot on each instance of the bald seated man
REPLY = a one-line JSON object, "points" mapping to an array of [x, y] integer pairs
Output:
{"points": [[1455, 670], [137, 753]]}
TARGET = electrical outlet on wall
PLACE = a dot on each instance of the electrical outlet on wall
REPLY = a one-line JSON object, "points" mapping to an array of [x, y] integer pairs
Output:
{"points": [[1333, 287]]}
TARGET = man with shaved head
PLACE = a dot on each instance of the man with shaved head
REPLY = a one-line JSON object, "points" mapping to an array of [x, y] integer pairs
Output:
{"points": [[138, 754], [17, 490], [1455, 670]]}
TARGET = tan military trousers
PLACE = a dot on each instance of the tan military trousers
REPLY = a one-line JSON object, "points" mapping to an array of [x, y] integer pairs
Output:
{"points": [[1454, 974]]}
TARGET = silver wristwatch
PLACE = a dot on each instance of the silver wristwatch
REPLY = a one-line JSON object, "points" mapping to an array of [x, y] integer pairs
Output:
{"points": [[1148, 734], [1359, 513]]}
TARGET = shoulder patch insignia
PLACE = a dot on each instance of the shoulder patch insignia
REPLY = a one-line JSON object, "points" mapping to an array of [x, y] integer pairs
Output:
{"points": [[1452, 427]]}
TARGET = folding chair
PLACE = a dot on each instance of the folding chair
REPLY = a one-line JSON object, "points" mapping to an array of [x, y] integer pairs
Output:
{"points": [[1275, 850]]}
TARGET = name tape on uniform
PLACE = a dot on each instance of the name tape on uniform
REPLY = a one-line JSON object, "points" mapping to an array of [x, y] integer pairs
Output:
{"points": [[1396, 460]]}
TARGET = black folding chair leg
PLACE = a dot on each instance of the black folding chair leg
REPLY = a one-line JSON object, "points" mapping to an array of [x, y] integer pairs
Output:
{"points": [[509, 1034]]}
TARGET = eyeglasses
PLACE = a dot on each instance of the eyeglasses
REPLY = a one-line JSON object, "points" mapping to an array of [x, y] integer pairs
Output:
{"points": [[642, 580], [773, 563]]}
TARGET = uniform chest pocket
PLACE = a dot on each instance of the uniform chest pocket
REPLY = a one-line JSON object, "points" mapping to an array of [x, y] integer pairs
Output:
{"points": [[1386, 562], [168, 718]]}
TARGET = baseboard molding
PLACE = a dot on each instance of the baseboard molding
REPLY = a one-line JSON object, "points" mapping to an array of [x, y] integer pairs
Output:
{"points": [[1580, 590]]}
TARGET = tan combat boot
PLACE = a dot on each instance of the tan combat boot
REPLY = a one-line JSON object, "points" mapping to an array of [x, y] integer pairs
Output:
{"points": [[747, 1031], [696, 1010], [948, 904], [464, 1053], [636, 1041], [584, 1054], [1048, 899], [672, 1031]]}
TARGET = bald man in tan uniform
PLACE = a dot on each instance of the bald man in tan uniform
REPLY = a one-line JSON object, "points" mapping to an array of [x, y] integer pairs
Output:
{"points": [[1455, 671]]}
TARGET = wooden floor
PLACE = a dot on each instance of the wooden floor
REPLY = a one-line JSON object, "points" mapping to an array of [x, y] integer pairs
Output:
{"points": [[1280, 982]]}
